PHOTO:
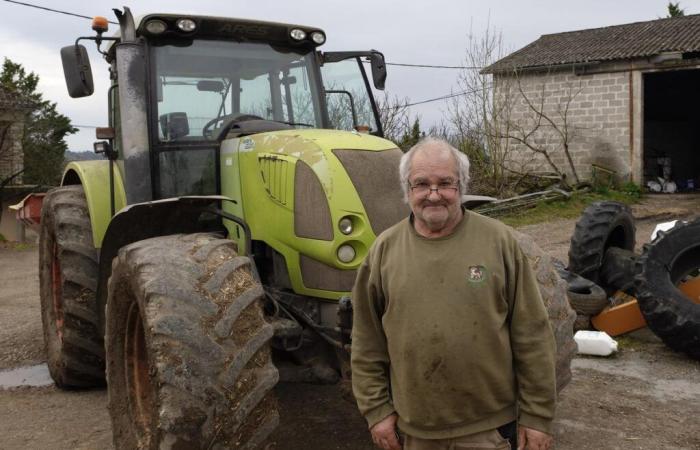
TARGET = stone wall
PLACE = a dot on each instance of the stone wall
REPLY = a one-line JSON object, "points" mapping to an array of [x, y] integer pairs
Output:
{"points": [[598, 119]]}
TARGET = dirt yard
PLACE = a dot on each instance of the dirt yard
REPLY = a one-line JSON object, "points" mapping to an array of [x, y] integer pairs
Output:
{"points": [[645, 397]]}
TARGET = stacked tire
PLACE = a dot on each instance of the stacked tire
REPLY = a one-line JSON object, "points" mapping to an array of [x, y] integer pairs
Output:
{"points": [[603, 234]]}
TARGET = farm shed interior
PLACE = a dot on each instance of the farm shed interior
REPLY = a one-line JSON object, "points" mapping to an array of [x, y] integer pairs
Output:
{"points": [[672, 126]]}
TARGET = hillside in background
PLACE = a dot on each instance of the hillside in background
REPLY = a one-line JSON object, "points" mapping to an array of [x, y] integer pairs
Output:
{"points": [[81, 156]]}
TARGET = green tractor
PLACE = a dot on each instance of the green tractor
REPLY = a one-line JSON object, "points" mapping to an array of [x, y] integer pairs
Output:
{"points": [[213, 251], [245, 178]]}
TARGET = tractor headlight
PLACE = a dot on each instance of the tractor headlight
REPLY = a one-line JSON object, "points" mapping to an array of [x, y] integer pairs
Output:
{"points": [[318, 37], [345, 225], [186, 25], [346, 253], [297, 34], [156, 26]]}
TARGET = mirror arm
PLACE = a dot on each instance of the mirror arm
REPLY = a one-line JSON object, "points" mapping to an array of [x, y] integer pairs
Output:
{"points": [[98, 40]]}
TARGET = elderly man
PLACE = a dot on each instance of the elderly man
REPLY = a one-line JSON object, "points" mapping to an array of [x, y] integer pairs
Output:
{"points": [[450, 342]]}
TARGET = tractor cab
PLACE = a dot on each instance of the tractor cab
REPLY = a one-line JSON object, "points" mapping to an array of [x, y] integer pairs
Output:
{"points": [[182, 84]]}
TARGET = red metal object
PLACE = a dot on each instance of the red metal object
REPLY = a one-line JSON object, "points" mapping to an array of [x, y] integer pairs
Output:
{"points": [[28, 211]]}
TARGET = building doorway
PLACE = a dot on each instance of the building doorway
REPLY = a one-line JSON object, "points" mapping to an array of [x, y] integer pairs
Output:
{"points": [[672, 128]]}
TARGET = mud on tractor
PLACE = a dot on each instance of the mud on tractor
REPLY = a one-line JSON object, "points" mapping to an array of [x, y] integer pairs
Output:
{"points": [[245, 178]]}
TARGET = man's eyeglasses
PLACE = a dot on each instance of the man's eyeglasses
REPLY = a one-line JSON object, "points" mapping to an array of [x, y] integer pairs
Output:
{"points": [[445, 189]]}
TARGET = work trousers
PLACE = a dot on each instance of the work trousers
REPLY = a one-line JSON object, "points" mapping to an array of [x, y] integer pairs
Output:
{"points": [[502, 438]]}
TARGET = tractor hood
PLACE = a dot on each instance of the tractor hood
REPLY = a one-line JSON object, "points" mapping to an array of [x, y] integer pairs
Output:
{"points": [[297, 188]]}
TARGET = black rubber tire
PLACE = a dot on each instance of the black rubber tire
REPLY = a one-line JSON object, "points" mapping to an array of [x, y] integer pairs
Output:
{"points": [[589, 302], [585, 297], [561, 316], [669, 313], [601, 226], [67, 280], [618, 270], [189, 363]]}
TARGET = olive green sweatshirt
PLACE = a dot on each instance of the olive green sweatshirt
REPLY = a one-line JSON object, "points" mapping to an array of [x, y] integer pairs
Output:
{"points": [[451, 333]]}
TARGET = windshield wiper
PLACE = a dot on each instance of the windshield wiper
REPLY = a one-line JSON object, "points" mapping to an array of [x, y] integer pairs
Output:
{"points": [[294, 123]]}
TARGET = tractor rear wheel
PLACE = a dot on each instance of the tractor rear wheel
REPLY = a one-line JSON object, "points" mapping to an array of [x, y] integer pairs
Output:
{"points": [[68, 278], [188, 358], [561, 316]]}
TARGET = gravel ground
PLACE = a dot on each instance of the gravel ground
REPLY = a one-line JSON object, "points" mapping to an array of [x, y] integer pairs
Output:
{"points": [[645, 397]]}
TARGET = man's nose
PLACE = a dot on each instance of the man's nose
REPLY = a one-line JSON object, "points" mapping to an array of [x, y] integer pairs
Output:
{"points": [[437, 195]]}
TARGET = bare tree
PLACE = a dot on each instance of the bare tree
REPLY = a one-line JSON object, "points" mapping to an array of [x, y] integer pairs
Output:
{"points": [[542, 121], [502, 125], [395, 116], [476, 114]]}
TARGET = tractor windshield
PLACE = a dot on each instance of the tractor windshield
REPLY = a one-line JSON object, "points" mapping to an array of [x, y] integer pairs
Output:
{"points": [[208, 84]]}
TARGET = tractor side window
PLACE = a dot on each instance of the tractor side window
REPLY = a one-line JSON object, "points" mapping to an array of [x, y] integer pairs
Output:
{"points": [[256, 98], [297, 96], [349, 105], [179, 116], [283, 93], [187, 172]]}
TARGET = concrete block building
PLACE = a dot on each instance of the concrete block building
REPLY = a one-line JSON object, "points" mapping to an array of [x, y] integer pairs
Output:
{"points": [[13, 112], [630, 94]]}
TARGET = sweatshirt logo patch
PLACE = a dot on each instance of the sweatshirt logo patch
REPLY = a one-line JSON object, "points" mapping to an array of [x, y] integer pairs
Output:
{"points": [[477, 274]]}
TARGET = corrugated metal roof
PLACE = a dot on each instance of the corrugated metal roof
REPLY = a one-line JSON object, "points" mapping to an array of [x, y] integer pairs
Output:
{"points": [[618, 42]]}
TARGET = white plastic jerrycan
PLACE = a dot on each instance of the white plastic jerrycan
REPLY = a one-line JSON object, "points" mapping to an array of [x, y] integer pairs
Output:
{"points": [[597, 343]]}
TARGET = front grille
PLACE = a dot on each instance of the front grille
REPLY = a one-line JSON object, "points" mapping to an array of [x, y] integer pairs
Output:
{"points": [[275, 173], [375, 176], [312, 216], [317, 275]]}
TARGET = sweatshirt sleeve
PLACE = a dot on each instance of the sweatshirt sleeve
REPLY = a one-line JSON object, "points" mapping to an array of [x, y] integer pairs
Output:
{"points": [[369, 355], [533, 346]]}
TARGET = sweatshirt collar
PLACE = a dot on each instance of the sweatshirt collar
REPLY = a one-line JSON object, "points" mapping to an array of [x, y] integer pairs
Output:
{"points": [[457, 229]]}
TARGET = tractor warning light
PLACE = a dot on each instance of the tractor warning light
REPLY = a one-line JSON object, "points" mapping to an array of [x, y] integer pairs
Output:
{"points": [[100, 24]]}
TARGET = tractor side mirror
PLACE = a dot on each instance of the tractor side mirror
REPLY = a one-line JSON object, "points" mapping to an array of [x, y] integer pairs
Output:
{"points": [[376, 61], [174, 125], [76, 69]]}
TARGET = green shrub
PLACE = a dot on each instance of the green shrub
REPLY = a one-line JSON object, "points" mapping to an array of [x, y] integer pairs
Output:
{"points": [[632, 189]]}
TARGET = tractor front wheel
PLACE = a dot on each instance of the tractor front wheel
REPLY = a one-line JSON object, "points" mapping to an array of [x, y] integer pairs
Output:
{"points": [[188, 359], [67, 282]]}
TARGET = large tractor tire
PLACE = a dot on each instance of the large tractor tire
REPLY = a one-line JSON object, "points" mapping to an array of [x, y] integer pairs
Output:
{"points": [[68, 278], [561, 316], [188, 358], [665, 263], [602, 225]]}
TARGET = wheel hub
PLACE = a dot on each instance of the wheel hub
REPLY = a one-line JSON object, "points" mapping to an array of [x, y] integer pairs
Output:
{"points": [[57, 291], [139, 391]]}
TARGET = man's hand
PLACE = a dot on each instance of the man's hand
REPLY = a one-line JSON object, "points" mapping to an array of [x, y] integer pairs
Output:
{"points": [[384, 433], [530, 439]]}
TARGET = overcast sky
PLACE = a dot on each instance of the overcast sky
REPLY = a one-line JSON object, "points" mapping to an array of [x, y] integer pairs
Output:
{"points": [[426, 32]]}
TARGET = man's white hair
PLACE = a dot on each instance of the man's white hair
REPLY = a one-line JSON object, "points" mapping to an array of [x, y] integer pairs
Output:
{"points": [[439, 144]]}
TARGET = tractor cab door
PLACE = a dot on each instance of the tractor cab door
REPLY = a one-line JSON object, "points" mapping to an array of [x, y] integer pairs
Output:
{"points": [[348, 92]]}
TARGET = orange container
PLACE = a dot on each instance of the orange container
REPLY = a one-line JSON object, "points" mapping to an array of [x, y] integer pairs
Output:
{"points": [[619, 319]]}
